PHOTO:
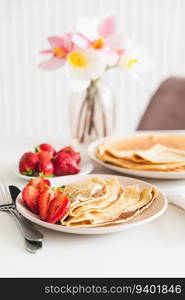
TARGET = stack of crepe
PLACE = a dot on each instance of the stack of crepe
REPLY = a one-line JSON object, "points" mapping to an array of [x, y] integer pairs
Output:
{"points": [[148, 153], [95, 202]]}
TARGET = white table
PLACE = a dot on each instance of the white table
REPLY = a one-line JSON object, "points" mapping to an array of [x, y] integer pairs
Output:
{"points": [[152, 250]]}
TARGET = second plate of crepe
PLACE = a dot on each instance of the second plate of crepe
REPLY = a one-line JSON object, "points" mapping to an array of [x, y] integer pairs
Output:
{"points": [[155, 155]]}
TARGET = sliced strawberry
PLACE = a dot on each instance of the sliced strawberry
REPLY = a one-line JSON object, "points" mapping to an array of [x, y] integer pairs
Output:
{"points": [[41, 184], [29, 196], [58, 191], [44, 200], [58, 209]]}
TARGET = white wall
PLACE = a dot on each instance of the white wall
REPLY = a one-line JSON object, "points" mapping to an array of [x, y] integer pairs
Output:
{"points": [[33, 101]]}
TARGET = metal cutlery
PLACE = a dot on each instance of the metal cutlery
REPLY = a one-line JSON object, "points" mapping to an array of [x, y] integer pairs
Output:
{"points": [[33, 238], [31, 246]]}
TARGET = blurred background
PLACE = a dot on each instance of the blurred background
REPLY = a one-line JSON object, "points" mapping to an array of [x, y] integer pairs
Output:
{"points": [[35, 102]]}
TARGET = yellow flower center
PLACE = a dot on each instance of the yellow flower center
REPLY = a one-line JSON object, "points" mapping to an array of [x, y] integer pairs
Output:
{"points": [[59, 52], [131, 62], [98, 44], [77, 59]]}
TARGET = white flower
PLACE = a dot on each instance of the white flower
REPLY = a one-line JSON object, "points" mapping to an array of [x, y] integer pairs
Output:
{"points": [[100, 35], [136, 60], [83, 66]]}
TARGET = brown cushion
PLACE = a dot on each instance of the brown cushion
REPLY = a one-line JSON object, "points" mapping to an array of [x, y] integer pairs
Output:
{"points": [[166, 109]]}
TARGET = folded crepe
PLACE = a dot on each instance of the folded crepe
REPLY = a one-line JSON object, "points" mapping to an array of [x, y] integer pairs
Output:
{"points": [[117, 205], [97, 201], [155, 153], [83, 190], [144, 142]]}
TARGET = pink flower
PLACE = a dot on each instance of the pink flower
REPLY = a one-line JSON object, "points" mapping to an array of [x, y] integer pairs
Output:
{"points": [[60, 47], [99, 35]]}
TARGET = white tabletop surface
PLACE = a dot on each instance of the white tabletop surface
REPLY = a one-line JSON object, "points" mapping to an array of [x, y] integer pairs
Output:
{"points": [[152, 250]]}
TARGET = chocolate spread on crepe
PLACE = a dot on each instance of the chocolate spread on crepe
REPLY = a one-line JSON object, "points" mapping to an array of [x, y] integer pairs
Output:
{"points": [[112, 191], [83, 190]]}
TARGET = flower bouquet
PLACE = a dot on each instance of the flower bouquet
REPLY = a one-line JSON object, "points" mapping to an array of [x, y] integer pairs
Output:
{"points": [[93, 47]]}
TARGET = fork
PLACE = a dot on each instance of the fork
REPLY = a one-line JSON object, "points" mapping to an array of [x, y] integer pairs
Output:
{"points": [[30, 233]]}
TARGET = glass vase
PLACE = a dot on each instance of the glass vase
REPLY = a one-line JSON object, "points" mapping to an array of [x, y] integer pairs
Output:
{"points": [[92, 112]]}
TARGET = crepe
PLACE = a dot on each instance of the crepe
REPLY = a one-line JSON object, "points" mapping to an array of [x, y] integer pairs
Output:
{"points": [[144, 142], [83, 190], [155, 153], [117, 205], [97, 201]]}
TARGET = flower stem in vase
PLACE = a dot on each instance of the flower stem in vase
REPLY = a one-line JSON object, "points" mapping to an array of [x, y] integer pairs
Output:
{"points": [[82, 108], [88, 123], [82, 137], [104, 121], [92, 95], [93, 115]]}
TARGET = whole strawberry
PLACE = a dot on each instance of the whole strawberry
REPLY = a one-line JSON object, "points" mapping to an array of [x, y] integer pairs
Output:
{"points": [[70, 150], [64, 164], [28, 163], [47, 148], [44, 155], [45, 167]]}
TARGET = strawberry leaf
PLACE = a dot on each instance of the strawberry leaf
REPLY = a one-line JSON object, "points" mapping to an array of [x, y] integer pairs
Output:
{"points": [[37, 149], [62, 188], [28, 172]]}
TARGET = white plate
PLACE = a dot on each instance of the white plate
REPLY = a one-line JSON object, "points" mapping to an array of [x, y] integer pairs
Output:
{"points": [[86, 166], [145, 174], [154, 211]]}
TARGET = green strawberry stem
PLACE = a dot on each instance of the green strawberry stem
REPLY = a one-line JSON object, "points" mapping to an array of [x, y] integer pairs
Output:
{"points": [[45, 176], [62, 188], [37, 149], [28, 172]]}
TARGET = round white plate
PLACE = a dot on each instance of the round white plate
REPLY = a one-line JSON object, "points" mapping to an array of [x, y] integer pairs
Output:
{"points": [[154, 211], [145, 174], [86, 167]]}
